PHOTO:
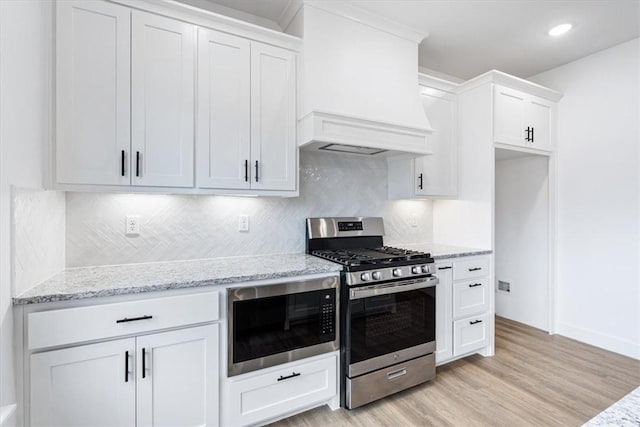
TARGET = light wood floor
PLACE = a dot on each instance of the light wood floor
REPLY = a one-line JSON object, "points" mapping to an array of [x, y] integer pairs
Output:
{"points": [[534, 379]]}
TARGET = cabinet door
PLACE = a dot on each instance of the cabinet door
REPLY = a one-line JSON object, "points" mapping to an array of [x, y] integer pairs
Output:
{"points": [[224, 111], [178, 377], [437, 174], [84, 386], [92, 93], [509, 116], [273, 118], [470, 297], [470, 334], [444, 332], [538, 116], [162, 101]]}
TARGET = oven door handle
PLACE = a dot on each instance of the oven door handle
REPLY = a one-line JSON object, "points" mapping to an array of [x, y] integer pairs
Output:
{"points": [[376, 290]]}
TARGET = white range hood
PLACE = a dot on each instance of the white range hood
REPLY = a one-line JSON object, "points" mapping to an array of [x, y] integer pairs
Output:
{"points": [[357, 82]]}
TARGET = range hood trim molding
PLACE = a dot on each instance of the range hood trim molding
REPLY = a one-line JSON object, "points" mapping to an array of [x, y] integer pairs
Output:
{"points": [[318, 128]]}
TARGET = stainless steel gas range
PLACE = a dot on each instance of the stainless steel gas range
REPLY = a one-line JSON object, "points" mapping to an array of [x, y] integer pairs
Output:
{"points": [[387, 300]]}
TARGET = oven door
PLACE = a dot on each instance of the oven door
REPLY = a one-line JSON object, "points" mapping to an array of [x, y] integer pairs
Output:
{"points": [[390, 323], [275, 324]]}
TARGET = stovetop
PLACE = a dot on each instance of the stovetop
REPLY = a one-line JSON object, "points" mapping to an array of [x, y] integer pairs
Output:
{"points": [[370, 258]]}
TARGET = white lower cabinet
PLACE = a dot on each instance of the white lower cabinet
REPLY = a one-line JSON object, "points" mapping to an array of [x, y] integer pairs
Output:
{"points": [[257, 398], [444, 332], [84, 386], [178, 377], [470, 334], [163, 379], [463, 308]]}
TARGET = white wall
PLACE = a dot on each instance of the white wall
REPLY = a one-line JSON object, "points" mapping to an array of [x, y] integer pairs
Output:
{"points": [[522, 239], [188, 227], [25, 40], [598, 198]]}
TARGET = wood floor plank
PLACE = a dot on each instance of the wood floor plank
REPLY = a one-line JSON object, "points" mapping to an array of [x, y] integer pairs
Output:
{"points": [[535, 379]]}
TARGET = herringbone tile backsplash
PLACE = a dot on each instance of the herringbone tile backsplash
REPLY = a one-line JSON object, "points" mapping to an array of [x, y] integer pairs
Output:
{"points": [[190, 227]]}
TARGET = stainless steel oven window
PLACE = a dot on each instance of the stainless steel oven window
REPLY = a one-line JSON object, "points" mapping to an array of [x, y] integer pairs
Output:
{"points": [[280, 289]]}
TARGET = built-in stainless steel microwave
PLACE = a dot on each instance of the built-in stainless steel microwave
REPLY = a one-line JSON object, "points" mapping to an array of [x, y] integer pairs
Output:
{"points": [[275, 324]]}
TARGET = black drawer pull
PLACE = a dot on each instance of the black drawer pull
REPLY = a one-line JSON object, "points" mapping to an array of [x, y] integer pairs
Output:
{"points": [[475, 321], [444, 268], [475, 284], [256, 171], [293, 375], [246, 170], [133, 319], [475, 269], [420, 183], [137, 163], [122, 163]]}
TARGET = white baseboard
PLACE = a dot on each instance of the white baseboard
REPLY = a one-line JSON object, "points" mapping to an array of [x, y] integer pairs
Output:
{"points": [[7, 418], [608, 342]]}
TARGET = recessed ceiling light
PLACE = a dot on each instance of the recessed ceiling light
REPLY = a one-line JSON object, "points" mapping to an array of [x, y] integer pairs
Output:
{"points": [[559, 30]]}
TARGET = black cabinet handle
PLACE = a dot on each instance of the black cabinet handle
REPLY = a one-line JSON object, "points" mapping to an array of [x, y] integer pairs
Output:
{"points": [[475, 321], [532, 136], [528, 137], [475, 269], [445, 268], [293, 375], [134, 319], [144, 363], [122, 163], [137, 163], [420, 181], [475, 285], [246, 171], [256, 171], [126, 366]]}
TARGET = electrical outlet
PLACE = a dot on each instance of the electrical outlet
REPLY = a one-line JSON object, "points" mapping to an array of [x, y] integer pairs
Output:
{"points": [[413, 220], [243, 223], [132, 225]]}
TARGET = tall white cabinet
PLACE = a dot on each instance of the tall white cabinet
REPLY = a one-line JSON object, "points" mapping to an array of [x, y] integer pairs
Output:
{"points": [[162, 101]]}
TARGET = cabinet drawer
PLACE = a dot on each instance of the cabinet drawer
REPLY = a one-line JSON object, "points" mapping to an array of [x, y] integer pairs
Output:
{"points": [[267, 396], [471, 333], [467, 269], [74, 325], [470, 297]]}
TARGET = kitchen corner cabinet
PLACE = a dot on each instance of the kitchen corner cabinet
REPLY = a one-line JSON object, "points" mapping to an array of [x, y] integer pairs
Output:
{"points": [[436, 175], [521, 119], [463, 311], [246, 114], [139, 374]]}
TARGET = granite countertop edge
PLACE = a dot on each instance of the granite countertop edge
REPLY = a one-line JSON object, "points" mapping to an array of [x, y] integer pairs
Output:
{"points": [[464, 254]]}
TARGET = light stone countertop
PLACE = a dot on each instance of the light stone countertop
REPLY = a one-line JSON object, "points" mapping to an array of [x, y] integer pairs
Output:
{"points": [[103, 281], [439, 251]]}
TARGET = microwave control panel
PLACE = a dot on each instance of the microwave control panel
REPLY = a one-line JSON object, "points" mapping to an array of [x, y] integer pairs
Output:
{"points": [[327, 313]]}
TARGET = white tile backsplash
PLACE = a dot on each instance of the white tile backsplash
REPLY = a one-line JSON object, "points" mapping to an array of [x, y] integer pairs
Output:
{"points": [[38, 225], [174, 227]]}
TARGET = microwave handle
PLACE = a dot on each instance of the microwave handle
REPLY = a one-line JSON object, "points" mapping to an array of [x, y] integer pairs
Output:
{"points": [[376, 290]]}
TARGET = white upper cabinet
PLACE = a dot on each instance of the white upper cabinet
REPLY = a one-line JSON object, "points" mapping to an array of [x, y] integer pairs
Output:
{"points": [[246, 114], [435, 175], [224, 110], [92, 93], [521, 119], [273, 118], [162, 101], [133, 114]]}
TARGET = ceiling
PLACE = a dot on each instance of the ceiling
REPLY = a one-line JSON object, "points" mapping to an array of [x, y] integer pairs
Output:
{"points": [[470, 37]]}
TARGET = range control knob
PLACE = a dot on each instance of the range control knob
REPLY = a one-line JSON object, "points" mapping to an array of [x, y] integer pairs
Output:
{"points": [[425, 268], [365, 277], [376, 275], [397, 272], [415, 270]]}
